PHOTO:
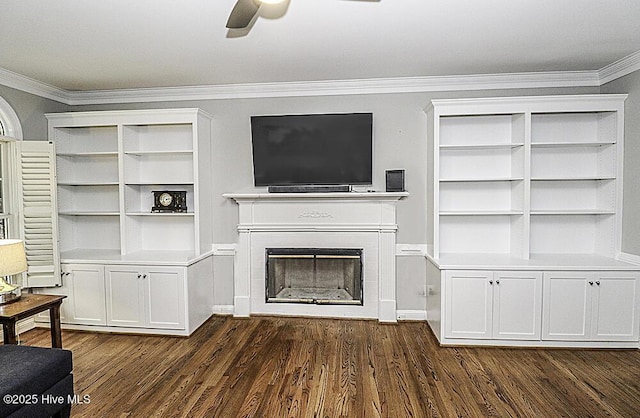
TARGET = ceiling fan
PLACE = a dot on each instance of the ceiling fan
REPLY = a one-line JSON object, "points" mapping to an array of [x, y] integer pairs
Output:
{"points": [[244, 11]]}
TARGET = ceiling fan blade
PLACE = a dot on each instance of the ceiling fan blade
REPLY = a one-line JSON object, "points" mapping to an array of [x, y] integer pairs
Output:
{"points": [[242, 14]]}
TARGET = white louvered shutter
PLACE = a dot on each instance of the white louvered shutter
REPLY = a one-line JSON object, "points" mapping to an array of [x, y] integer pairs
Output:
{"points": [[38, 214]]}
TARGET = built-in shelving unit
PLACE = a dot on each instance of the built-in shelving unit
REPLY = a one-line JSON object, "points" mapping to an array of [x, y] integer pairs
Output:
{"points": [[525, 212], [481, 168], [109, 164], [126, 268], [526, 176], [88, 184]]}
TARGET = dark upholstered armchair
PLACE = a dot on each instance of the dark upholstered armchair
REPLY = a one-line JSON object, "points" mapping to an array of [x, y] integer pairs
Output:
{"points": [[35, 382]]}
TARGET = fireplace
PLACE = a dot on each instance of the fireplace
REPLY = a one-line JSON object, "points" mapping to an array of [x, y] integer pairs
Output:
{"points": [[327, 276], [305, 233]]}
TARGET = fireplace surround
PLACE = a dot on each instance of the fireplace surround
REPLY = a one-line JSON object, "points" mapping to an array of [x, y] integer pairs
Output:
{"points": [[323, 222]]}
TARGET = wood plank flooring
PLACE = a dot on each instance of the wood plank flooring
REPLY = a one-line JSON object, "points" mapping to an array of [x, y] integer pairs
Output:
{"points": [[295, 367]]}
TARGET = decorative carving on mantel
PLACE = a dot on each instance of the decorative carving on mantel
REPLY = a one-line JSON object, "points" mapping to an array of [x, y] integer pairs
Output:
{"points": [[315, 214]]}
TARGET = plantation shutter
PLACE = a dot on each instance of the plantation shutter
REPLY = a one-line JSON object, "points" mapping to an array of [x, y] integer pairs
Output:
{"points": [[38, 214]]}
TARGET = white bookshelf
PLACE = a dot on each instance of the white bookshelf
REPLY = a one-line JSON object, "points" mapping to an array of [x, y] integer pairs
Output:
{"points": [[142, 272], [526, 175], [524, 205], [109, 163]]}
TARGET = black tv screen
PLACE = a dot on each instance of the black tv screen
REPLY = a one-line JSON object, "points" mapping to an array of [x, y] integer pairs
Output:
{"points": [[312, 149]]}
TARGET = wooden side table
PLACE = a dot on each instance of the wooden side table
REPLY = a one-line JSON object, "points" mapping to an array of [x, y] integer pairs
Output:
{"points": [[29, 305]]}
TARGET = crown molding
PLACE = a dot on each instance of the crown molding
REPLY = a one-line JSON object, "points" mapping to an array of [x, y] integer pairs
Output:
{"points": [[339, 87], [35, 87], [620, 68], [554, 79]]}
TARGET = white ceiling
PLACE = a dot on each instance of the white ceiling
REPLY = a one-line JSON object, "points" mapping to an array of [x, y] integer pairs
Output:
{"points": [[114, 44]]}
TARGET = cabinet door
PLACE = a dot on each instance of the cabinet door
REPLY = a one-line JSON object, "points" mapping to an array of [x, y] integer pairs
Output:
{"points": [[86, 282], [164, 290], [567, 306], [468, 304], [517, 305], [66, 309], [125, 297], [615, 310]]}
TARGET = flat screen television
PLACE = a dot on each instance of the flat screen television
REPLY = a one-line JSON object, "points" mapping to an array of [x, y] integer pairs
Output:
{"points": [[319, 149]]}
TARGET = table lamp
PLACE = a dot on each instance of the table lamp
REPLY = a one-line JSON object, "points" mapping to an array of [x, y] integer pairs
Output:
{"points": [[12, 261]]}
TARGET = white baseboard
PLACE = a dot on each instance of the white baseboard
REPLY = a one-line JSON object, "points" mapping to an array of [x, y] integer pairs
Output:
{"points": [[402, 315], [222, 309], [629, 258], [387, 311], [242, 306], [412, 315]]}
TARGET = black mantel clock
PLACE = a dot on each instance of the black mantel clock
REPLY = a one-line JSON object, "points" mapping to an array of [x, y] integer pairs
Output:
{"points": [[169, 201]]}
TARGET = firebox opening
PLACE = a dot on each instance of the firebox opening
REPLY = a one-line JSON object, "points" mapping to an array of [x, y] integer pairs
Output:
{"points": [[330, 276]]}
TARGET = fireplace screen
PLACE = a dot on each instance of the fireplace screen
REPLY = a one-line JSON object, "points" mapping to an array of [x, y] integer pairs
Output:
{"points": [[314, 275]]}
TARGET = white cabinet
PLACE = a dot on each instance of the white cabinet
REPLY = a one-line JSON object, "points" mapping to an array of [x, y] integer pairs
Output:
{"points": [[149, 297], [156, 266], [591, 306], [564, 308], [517, 306], [530, 185], [138, 298], [469, 303], [83, 284], [66, 312], [493, 305], [125, 296]]}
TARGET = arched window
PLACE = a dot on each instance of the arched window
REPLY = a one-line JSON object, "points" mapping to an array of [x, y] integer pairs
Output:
{"points": [[9, 127], [9, 122]]}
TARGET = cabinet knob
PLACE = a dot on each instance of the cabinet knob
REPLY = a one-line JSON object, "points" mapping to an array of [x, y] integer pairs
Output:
{"points": [[590, 283], [139, 276], [144, 277], [598, 282], [491, 282], [497, 281]]}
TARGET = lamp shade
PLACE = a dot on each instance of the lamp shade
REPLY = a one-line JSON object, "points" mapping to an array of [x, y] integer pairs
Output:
{"points": [[12, 257]]}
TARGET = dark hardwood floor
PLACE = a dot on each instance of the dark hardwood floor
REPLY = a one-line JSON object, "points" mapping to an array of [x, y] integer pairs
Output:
{"points": [[294, 367]]}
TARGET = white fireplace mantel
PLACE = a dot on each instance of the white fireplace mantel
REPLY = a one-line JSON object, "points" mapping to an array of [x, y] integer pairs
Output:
{"points": [[324, 220]]}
